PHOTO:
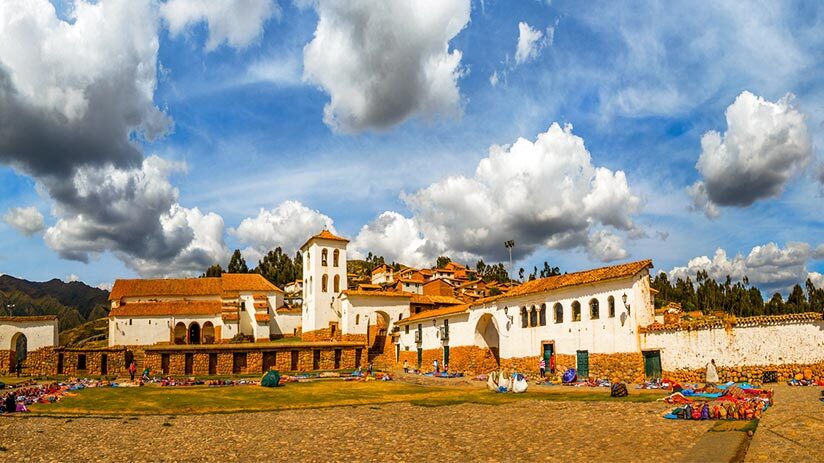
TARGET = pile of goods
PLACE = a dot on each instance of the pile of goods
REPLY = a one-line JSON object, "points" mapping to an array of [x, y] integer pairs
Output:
{"points": [[29, 392], [498, 381], [805, 379], [725, 402]]}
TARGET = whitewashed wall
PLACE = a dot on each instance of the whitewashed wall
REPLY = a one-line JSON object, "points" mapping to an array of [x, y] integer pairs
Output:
{"points": [[430, 330], [363, 309], [284, 323], [39, 333], [144, 331], [780, 343], [317, 304]]}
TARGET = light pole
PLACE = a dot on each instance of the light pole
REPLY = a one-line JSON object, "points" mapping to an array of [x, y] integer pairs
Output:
{"points": [[509, 245]]}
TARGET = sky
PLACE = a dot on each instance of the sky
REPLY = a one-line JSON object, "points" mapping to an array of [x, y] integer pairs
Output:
{"points": [[150, 138]]}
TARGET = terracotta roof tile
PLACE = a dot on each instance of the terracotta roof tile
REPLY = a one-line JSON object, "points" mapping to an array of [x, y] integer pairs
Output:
{"points": [[356, 292], [579, 278], [325, 235], [137, 309], [434, 299], [225, 285], [435, 313], [247, 282], [262, 317], [731, 321]]}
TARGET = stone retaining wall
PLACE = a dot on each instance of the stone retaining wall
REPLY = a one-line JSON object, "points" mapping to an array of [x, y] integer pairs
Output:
{"points": [[752, 374]]}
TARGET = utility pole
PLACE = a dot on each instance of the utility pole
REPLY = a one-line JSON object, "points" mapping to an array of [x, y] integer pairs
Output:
{"points": [[509, 245]]}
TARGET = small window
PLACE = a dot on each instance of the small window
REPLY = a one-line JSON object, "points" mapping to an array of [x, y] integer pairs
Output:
{"points": [[542, 315], [324, 283], [559, 313], [524, 318], [594, 309], [324, 255], [336, 284], [357, 319], [406, 329], [533, 317], [611, 304], [576, 311], [446, 327], [81, 361], [335, 258], [130, 322]]}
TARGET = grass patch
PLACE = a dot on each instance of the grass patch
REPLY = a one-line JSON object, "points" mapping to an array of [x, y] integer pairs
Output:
{"points": [[735, 425], [170, 401]]}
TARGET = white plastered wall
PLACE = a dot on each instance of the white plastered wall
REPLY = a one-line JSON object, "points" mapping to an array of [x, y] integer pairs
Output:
{"points": [[364, 309], [39, 333], [145, 331]]}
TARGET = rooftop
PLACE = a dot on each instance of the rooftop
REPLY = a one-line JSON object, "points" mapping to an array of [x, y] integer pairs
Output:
{"points": [[325, 235], [147, 309], [709, 321], [210, 286], [435, 313]]}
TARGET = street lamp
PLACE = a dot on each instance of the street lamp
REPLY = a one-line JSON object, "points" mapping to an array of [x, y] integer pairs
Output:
{"points": [[509, 245]]}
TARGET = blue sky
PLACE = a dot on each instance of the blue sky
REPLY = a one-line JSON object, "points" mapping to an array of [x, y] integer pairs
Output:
{"points": [[640, 87]]}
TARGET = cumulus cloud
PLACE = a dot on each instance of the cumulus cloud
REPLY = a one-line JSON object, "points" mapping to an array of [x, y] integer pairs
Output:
{"points": [[288, 226], [769, 267], [235, 22], [72, 277], [394, 237], [606, 246], [384, 62], [76, 101], [26, 220], [530, 43], [765, 145], [544, 193]]}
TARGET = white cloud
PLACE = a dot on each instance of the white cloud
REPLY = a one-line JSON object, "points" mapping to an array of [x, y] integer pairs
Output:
{"points": [[288, 226], [765, 145], [530, 43], [72, 277], [606, 246], [105, 286], [384, 62], [768, 267], [394, 237], [493, 79], [26, 220], [544, 193], [235, 22]]}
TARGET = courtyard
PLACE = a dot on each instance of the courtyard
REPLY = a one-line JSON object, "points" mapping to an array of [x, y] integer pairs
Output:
{"points": [[410, 420]]}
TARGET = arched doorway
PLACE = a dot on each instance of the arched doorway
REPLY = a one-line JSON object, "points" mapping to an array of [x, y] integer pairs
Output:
{"points": [[19, 350], [194, 333], [377, 334], [180, 333], [487, 336], [208, 333]]}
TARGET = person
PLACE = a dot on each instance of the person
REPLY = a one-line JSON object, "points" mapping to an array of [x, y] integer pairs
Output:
{"points": [[435, 366], [132, 370], [446, 368], [542, 367], [406, 366], [11, 403], [712, 373], [552, 364], [369, 369]]}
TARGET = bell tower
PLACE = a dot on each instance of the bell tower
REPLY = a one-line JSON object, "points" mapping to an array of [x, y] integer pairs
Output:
{"points": [[324, 277]]}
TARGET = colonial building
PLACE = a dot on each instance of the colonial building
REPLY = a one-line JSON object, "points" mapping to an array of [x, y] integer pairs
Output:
{"points": [[21, 335], [198, 310]]}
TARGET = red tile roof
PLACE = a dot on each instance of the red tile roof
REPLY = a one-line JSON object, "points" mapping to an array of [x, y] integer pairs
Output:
{"points": [[578, 278], [356, 292], [708, 322], [228, 283], [148, 309], [325, 235], [435, 313]]}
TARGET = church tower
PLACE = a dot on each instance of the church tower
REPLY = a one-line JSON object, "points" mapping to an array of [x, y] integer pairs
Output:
{"points": [[324, 277]]}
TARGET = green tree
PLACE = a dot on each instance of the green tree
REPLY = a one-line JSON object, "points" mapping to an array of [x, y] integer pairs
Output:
{"points": [[797, 301], [237, 264], [549, 271], [278, 268], [442, 261], [815, 297], [480, 267], [776, 305], [214, 271]]}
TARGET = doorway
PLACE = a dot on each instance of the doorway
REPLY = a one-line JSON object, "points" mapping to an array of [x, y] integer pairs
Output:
{"points": [[549, 355], [164, 363], [188, 363], [652, 364], [294, 364], [420, 358], [212, 364], [239, 363], [104, 364], [582, 363], [445, 356], [269, 361], [338, 355]]}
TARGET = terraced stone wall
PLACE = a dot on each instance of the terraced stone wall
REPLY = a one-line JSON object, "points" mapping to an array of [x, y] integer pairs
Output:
{"points": [[752, 374]]}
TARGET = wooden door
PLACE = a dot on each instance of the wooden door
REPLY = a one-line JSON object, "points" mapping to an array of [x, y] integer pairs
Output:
{"points": [[582, 358]]}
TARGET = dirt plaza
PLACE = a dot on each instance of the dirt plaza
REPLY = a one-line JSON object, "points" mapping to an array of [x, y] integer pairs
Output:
{"points": [[531, 429]]}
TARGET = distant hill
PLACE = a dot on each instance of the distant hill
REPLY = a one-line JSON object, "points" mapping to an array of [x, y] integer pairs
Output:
{"points": [[74, 303]]}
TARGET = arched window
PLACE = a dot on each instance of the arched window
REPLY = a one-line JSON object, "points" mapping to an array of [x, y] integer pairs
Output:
{"points": [[208, 333], [324, 256], [611, 304], [594, 309], [307, 260], [335, 258], [524, 318], [324, 283], [180, 333], [542, 315], [576, 311], [357, 319], [336, 284], [533, 316], [559, 313]]}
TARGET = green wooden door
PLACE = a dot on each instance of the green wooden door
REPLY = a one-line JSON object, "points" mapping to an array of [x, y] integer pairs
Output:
{"points": [[446, 355], [420, 357], [582, 358], [652, 364], [548, 351]]}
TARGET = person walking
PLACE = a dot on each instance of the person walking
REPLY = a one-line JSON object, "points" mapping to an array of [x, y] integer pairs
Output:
{"points": [[542, 367], [132, 370], [552, 364], [712, 373], [406, 366]]}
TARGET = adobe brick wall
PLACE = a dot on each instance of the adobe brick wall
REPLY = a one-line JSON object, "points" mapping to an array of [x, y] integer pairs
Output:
{"points": [[628, 367], [752, 374]]}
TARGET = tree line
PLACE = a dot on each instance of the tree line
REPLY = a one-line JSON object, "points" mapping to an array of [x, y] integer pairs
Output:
{"points": [[735, 298]]}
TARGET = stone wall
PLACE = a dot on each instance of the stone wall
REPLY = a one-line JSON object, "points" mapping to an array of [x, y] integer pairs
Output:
{"points": [[752, 374], [324, 334]]}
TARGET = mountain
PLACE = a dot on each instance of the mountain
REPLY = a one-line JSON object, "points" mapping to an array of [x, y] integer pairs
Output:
{"points": [[74, 303]]}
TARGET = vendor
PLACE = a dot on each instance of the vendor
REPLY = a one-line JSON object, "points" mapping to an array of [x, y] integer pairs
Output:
{"points": [[712, 373]]}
